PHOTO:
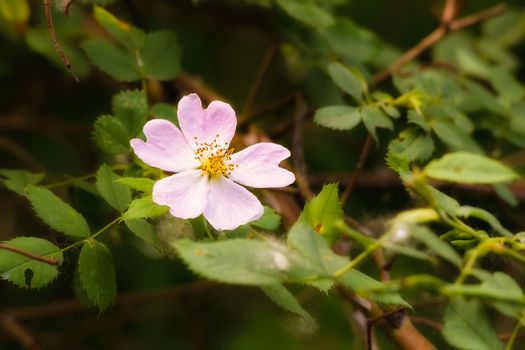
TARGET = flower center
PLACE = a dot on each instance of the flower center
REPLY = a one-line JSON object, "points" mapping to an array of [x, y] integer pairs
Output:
{"points": [[215, 160]]}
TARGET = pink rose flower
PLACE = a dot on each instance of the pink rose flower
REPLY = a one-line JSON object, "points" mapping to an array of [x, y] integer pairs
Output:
{"points": [[208, 175]]}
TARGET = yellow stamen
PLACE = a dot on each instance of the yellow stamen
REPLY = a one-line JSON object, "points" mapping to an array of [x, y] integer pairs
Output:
{"points": [[215, 160]]}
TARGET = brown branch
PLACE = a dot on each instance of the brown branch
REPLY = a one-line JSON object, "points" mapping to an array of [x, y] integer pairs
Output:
{"points": [[13, 327], [28, 254], [272, 105], [365, 150], [259, 78], [450, 11], [297, 146], [478, 17], [51, 29], [189, 83], [396, 325], [448, 24]]}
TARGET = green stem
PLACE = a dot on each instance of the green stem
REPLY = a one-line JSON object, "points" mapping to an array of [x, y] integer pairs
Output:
{"points": [[359, 237], [207, 228], [354, 262], [96, 234], [512, 339], [99, 232], [469, 265], [68, 181], [369, 250]]}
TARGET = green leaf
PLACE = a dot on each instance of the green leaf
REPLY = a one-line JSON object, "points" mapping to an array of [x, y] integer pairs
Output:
{"points": [[313, 247], [464, 167], [161, 55], [441, 248], [454, 137], [97, 273], [165, 111], [506, 84], [110, 135], [367, 287], [15, 12], [400, 164], [418, 119], [116, 194], [17, 179], [323, 211], [443, 202], [502, 286], [269, 221], [24, 271], [337, 117], [142, 184], [506, 194], [131, 108], [468, 211], [346, 80], [144, 230], [125, 33], [112, 60], [467, 326], [373, 118], [413, 145], [316, 251], [246, 262], [307, 12], [85, 186], [56, 213], [282, 297], [142, 208]]}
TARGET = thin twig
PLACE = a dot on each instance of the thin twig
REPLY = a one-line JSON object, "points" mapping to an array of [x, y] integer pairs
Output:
{"points": [[19, 251], [478, 17], [51, 29], [365, 150], [448, 24], [297, 146], [21, 334], [271, 106], [259, 78]]}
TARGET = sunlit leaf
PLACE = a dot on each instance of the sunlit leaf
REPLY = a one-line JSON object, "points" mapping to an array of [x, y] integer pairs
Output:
{"points": [[338, 117], [56, 213], [144, 208], [464, 167], [24, 271]]}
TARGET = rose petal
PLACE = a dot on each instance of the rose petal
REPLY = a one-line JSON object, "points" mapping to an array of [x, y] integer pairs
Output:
{"points": [[230, 205], [185, 193], [203, 125], [165, 147], [258, 166]]}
